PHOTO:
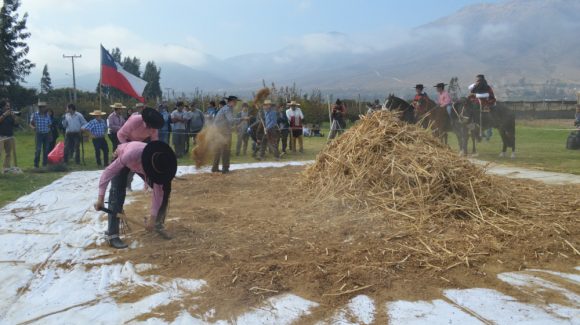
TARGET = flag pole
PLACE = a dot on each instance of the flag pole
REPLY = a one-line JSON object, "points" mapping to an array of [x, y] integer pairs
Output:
{"points": [[101, 79]]}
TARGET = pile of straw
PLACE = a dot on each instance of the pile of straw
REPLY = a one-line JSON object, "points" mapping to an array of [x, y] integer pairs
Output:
{"points": [[385, 163]]}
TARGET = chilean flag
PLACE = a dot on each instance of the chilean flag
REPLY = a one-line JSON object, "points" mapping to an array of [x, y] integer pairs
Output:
{"points": [[113, 75]]}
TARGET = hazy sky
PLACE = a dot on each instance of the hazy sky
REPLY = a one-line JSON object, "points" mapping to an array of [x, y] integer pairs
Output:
{"points": [[191, 32]]}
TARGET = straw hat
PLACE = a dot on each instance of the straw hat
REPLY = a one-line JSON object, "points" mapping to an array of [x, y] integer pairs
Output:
{"points": [[267, 102], [41, 104], [118, 105], [139, 105], [293, 103], [97, 112]]}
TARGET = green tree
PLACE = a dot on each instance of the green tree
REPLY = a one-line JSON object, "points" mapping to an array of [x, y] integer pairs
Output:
{"points": [[45, 81], [132, 65], [14, 65], [152, 75]]}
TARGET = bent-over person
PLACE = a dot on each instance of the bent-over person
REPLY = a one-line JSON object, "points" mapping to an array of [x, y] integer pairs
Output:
{"points": [[156, 163]]}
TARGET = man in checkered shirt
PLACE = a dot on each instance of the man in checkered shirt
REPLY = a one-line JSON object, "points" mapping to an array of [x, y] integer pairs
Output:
{"points": [[98, 129], [41, 123]]}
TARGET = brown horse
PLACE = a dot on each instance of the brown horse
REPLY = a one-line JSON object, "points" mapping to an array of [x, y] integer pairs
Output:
{"points": [[498, 117]]}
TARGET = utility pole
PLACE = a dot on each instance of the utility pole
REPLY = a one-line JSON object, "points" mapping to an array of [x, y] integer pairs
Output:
{"points": [[167, 89], [72, 59]]}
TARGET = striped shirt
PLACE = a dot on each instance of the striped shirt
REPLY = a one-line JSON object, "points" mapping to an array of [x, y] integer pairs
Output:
{"points": [[98, 128], [41, 122]]}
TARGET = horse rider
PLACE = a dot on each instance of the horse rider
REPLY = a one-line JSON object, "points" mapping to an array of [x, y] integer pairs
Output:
{"points": [[444, 100], [420, 100], [481, 92]]}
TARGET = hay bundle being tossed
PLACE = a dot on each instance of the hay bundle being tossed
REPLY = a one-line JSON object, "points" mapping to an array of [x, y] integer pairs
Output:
{"points": [[389, 164], [211, 137]]}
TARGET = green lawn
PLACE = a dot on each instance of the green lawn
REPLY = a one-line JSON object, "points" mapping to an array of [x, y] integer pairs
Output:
{"points": [[538, 146]]}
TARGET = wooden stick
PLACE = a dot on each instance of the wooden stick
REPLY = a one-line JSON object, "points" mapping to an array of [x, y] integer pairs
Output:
{"points": [[346, 292], [572, 246]]}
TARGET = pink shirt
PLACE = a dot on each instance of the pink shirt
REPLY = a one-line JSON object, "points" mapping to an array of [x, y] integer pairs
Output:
{"points": [[135, 129], [129, 155], [444, 99]]}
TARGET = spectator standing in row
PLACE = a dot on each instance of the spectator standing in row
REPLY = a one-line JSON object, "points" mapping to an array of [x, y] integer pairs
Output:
{"points": [[165, 130], [211, 111], [139, 107], [295, 118], [7, 124], [53, 130], [272, 132], [115, 122], [179, 118], [284, 126], [224, 120], [98, 128], [338, 119], [242, 130], [196, 122], [41, 124], [72, 123]]}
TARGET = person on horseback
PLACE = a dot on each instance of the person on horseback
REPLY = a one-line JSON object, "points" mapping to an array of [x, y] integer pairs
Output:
{"points": [[481, 92], [444, 100], [420, 100]]}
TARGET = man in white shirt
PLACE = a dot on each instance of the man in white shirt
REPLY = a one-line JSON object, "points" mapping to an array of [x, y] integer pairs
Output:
{"points": [[295, 118]]}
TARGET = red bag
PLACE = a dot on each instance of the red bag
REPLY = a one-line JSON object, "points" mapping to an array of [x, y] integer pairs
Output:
{"points": [[56, 156]]}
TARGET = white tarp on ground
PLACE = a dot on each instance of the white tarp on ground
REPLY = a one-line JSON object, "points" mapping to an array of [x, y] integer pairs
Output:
{"points": [[56, 269]]}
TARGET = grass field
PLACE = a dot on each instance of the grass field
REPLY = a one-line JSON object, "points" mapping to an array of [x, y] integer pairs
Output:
{"points": [[540, 144]]}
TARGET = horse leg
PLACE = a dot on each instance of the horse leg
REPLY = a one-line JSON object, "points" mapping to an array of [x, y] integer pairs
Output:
{"points": [[473, 148]]}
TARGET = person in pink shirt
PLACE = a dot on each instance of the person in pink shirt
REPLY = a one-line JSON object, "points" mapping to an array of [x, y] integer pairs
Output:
{"points": [[141, 127], [444, 99], [156, 163]]}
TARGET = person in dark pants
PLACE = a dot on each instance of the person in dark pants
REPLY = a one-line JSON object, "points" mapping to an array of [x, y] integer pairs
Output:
{"points": [[98, 128], [41, 123], [53, 131], [72, 123], [115, 121], [272, 132], [284, 126], [224, 120], [156, 163]]}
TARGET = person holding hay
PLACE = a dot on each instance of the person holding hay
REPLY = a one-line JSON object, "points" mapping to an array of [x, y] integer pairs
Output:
{"points": [[224, 121], [272, 131], [156, 163]]}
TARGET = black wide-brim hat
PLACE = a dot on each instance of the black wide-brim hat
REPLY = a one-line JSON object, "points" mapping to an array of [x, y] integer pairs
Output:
{"points": [[419, 86], [152, 118], [159, 162], [440, 85], [230, 98]]}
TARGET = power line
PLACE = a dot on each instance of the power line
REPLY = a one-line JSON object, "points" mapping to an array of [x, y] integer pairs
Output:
{"points": [[72, 59]]}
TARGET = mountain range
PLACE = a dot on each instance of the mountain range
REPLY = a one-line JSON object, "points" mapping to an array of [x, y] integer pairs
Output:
{"points": [[515, 43]]}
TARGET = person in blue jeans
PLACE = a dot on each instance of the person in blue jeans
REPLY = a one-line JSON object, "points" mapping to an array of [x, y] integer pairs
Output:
{"points": [[98, 129], [41, 122]]}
